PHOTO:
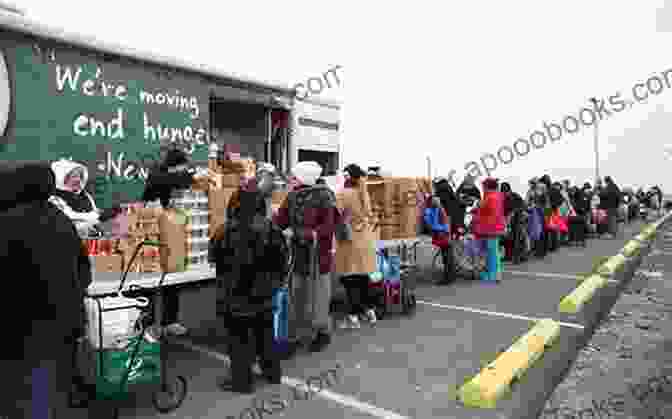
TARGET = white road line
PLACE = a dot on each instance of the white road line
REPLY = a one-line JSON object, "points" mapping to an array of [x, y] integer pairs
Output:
{"points": [[552, 275], [342, 399], [347, 401], [543, 274], [651, 274], [494, 313]]}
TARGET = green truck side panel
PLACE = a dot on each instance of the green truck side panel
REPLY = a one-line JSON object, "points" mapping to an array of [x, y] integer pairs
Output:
{"points": [[105, 112]]}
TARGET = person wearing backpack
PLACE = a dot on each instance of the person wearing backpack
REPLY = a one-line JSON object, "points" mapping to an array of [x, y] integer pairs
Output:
{"points": [[311, 214], [250, 254], [437, 222]]}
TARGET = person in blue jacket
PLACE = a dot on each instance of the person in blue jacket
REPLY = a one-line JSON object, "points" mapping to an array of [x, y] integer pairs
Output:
{"points": [[438, 222]]}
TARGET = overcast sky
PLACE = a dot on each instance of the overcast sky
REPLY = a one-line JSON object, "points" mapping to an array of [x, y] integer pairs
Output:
{"points": [[452, 80]]}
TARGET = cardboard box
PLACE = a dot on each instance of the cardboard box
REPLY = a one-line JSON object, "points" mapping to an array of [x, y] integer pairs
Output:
{"points": [[218, 201], [223, 181], [201, 183], [112, 263], [173, 237]]}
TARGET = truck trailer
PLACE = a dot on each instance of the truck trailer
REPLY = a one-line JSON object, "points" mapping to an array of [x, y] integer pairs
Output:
{"points": [[64, 95]]}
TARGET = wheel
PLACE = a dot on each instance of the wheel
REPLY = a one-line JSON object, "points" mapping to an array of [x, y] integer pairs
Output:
{"points": [[172, 398]]}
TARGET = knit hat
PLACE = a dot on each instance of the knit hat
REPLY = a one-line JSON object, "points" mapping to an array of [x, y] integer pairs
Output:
{"points": [[491, 183], [354, 171], [307, 172]]}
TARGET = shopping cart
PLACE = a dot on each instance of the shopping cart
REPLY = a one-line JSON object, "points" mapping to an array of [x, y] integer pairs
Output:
{"points": [[140, 349]]}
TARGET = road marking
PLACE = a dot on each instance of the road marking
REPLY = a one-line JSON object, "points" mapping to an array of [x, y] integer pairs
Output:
{"points": [[651, 274], [495, 313], [553, 275], [544, 274], [347, 401], [342, 399]]}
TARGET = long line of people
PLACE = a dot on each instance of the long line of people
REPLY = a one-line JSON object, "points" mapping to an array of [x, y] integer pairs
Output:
{"points": [[330, 232], [552, 214]]}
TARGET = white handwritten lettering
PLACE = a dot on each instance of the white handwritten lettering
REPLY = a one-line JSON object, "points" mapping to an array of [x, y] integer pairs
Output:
{"points": [[113, 129], [66, 75], [87, 87], [120, 93], [178, 102]]}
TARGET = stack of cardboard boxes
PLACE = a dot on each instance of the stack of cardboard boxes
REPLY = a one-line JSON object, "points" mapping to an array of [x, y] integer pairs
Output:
{"points": [[143, 224], [394, 205]]}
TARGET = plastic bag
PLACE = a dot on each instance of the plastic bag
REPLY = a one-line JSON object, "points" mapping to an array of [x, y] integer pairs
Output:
{"points": [[280, 318], [115, 373], [117, 324]]}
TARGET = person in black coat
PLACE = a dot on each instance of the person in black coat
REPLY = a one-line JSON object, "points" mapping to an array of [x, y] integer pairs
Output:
{"points": [[466, 193], [250, 255], [514, 210], [172, 173], [449, 201], [50, 270], [610, 200]]}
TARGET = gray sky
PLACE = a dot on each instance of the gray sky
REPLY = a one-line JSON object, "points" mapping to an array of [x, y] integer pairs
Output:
{"points": [[448, 79]]}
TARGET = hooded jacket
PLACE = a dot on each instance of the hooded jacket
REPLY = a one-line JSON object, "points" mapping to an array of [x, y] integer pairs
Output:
{"points": [[449, 200], [490, 220], [79, 207], [40, 244], [250, 254]]}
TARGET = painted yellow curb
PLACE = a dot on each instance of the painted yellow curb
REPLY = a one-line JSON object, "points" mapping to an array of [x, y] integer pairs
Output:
{"points": [[631, 248], [612, 265], [494, 381], [640, 238], [573, 302]]}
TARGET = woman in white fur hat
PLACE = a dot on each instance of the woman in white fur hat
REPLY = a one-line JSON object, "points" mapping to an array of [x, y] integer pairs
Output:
{"points": [[74, 200], [310, 211]]}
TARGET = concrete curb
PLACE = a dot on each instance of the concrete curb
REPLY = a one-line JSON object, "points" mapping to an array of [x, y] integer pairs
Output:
{"points": [[573, 302], [627, 259], [494, 381]]}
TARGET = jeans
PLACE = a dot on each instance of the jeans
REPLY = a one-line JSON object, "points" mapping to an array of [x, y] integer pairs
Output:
{"points": [[493, 260]]}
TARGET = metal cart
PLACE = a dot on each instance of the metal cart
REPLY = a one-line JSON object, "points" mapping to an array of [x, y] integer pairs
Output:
{"points": [[169, 396], [400, 299]]}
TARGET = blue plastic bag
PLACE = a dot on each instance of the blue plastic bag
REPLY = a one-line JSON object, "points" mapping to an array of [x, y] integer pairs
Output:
{"points": [[281, 319], [394, 270]]}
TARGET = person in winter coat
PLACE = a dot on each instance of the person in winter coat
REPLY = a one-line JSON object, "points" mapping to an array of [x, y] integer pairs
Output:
{"points": [[41, 245], [449, 200], [610, 200], [514, 207], [250, 255], [438, 222], [172, 173], [356, 258], [310, 211], [71, 197], [490, 225], [466, 193]]}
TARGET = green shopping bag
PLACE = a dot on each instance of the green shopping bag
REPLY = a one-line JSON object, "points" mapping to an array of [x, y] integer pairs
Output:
{"points": [[112, 369]]}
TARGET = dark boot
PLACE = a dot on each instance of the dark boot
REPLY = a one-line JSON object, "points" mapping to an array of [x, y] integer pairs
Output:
{"points": [[321, 342]]}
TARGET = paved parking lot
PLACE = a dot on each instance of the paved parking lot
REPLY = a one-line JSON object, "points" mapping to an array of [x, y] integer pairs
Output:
{"points": [[411, 366]]}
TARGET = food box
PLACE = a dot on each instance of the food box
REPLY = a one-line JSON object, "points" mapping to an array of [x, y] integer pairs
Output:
{"points": [[108, 263]]}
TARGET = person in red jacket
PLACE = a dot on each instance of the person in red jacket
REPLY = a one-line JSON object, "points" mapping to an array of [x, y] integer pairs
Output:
{"points": [[490, 225]]}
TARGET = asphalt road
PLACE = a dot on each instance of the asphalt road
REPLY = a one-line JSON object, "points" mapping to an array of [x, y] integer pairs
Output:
{"points": [[411, 366]]}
